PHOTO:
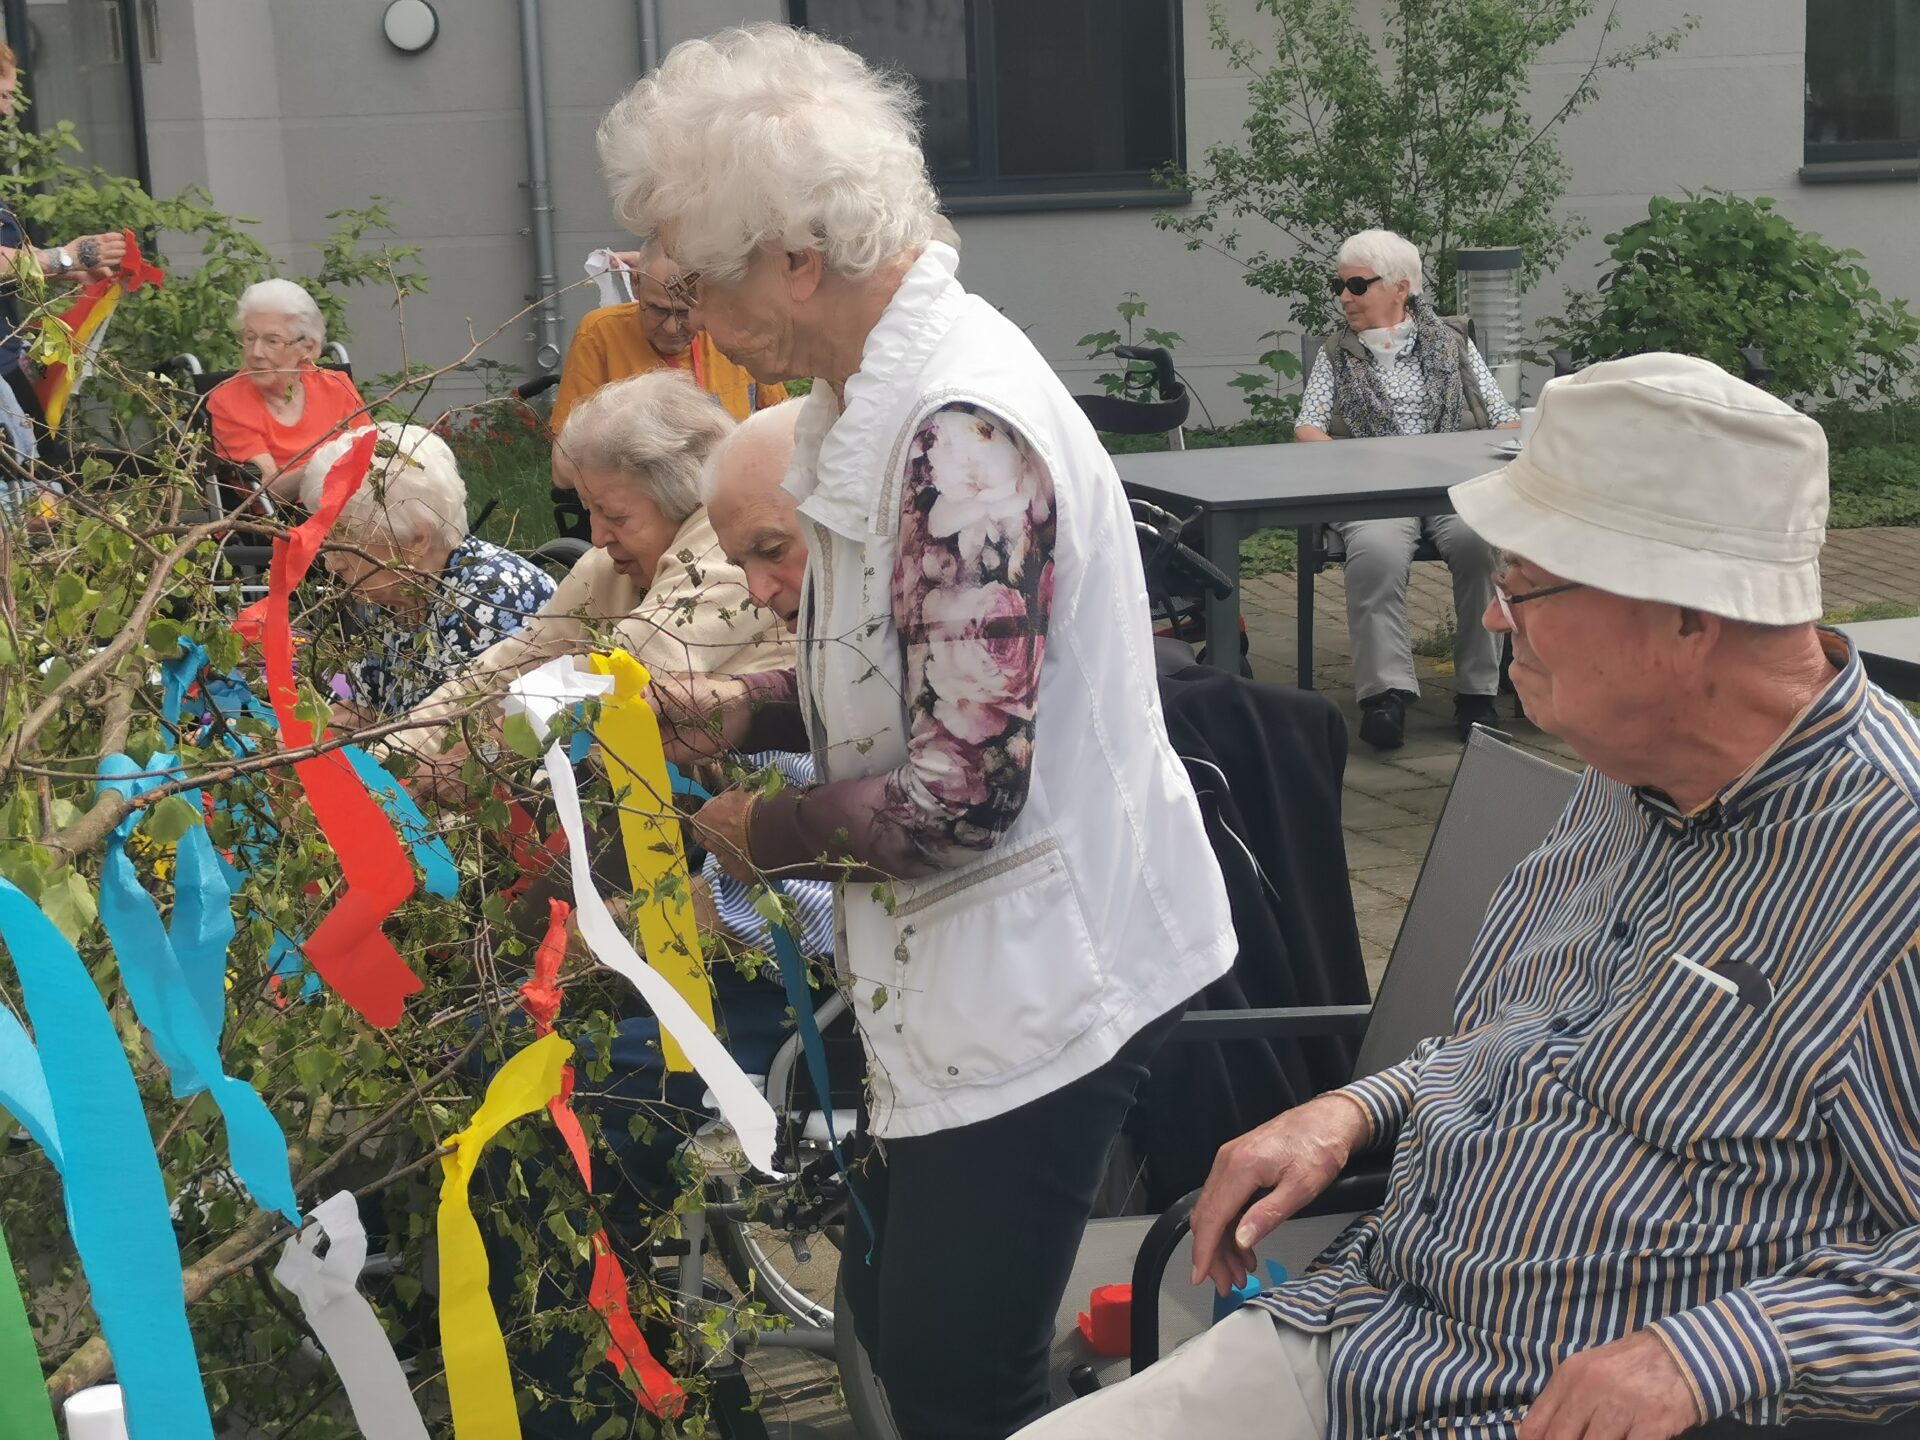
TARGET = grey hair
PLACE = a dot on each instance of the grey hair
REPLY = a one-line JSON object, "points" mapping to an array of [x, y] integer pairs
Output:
{"points": [[282, 297], [656, 430], [774, 424], [1392, 257], [770, 134], [413, 491]]}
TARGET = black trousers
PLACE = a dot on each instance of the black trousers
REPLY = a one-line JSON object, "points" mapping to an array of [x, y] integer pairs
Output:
{"points": [[978, 1230]]}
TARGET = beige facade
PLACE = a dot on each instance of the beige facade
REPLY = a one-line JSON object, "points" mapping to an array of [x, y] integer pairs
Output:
{"points": [[288, 109]]}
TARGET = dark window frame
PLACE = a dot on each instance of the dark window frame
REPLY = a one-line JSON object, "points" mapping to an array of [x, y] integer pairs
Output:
{"points": [[1829, 161], [987, 192]]}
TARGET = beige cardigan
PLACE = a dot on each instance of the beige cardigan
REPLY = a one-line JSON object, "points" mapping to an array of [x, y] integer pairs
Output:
{"points": [[695, 616]]}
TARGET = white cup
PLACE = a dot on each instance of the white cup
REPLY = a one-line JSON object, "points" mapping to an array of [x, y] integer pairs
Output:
{"points": [[97, 1413], [1529, 417]]}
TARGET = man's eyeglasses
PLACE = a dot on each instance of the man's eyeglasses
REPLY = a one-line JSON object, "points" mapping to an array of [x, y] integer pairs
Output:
{"points": [[684, 288], [266, 342], [1353, 284], [1508, 602], [667, 315]]}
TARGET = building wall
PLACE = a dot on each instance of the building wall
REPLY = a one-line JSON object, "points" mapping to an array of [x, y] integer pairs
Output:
{"points": [[289, 109]]}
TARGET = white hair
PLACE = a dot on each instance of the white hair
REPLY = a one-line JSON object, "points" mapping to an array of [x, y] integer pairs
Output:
{"points": [[282, 297], [413, 490], [655, 430], [1392, 257], [770, 134], [768, 428]]}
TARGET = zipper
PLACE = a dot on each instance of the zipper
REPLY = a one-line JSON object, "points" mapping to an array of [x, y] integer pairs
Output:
{"points": [[975, 877]]}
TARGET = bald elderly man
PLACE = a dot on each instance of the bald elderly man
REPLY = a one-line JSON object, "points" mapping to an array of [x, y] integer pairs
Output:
{"points": [[1661, 1175]]}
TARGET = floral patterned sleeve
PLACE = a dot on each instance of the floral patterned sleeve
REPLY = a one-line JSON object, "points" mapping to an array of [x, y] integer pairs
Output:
{"points": [[972, 587]]}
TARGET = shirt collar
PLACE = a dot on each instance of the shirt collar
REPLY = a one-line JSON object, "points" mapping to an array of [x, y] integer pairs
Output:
{"points": [[1826, 722], [827, 476]]}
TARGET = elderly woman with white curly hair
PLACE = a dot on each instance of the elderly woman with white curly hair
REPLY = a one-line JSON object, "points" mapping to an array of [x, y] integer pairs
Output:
{"points": [[1400, 369], [281, 407], [401, 546], [656, 583], [1027, 897]]}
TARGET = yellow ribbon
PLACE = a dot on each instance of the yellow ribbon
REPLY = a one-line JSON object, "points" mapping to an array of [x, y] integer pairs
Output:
{"points": [[478, 1383], [650, 831]]}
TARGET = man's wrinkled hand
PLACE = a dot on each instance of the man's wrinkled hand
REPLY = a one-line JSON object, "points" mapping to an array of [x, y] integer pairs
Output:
{"points": [[701, 716], [722, 827], [1295, 1156], [1632, 1389]]}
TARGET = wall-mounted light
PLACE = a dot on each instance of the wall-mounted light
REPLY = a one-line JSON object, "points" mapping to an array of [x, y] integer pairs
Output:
{"points": [[410, 25]]}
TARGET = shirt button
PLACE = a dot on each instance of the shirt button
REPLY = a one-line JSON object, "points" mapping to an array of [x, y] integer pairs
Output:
{"points": [[953, 1069], [1429, 1204], [1558, 1025], [1418, 1298], [1621, 930], [1483, 1106]]}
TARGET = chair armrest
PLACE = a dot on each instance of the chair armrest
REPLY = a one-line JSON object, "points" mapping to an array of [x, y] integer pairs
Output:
{"points": [[1293, 1022], [1361, 1186]]}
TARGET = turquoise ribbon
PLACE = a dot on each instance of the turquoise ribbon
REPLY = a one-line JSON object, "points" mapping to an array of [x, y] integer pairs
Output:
{"points": [[227, 695], [23, 1087], [168, 1004], [116, 1200]]}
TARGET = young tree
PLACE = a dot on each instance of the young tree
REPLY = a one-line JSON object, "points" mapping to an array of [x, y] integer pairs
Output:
{"points": [[1430, 128]]}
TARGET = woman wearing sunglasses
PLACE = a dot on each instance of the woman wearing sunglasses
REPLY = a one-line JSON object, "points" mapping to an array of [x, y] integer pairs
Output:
{"points": [[1400, 369]]}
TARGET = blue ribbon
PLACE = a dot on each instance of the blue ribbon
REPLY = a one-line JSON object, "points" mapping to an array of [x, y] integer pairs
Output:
{"points": [[23, 1088], [116, 1199], [229, 695], [167, 1002], [793, 975]]}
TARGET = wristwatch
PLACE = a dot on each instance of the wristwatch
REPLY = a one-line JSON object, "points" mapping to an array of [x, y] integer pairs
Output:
{"points": [[63, 258]]}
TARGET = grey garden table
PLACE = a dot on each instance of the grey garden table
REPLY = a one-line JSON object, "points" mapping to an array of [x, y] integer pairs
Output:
{"points": [[1890, 649], [1238, 490]]}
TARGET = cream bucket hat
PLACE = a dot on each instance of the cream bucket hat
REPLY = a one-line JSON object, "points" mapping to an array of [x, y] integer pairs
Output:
{"points": [[1661, 477]]}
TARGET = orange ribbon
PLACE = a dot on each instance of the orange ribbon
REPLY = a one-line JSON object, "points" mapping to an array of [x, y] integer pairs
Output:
{"points": [[607, 1294], [347, 947]]}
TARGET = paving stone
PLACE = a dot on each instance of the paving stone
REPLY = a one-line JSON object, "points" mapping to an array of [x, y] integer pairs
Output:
{"points": [[1364, 853], [1370, 812]]}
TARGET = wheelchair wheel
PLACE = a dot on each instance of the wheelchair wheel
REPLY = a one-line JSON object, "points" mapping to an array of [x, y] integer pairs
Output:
{"points": [[794, 1275]]}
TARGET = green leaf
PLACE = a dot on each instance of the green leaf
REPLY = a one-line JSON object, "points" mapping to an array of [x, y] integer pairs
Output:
{"points": [[69, 904], [518, 733], [170, 819]]}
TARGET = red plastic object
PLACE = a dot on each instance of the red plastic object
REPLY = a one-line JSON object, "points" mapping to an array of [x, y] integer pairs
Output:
{"points": [[1106, 1327]]}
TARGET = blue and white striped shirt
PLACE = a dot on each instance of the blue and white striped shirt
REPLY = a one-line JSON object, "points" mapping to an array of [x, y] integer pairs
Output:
{"points": [[1608, 1141], [811, 900]]}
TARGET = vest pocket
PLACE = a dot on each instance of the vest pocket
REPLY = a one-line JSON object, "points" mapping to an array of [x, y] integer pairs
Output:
{"points": [[994, 968]]}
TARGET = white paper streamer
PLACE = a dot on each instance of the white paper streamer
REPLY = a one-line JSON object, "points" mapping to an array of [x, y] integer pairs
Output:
{"points": [[541, 695], [349, 1331]]}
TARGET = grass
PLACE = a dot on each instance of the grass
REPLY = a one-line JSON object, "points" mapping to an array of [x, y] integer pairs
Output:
{"points": [[1872, 610], [503, 452]]}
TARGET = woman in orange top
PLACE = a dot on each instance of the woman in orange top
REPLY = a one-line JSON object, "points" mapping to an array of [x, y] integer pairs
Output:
{"points": [[280, 408]]}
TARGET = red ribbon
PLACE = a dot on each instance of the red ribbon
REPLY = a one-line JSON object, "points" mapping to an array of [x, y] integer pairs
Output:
{"points": [[347, 948], [607, 1294]]}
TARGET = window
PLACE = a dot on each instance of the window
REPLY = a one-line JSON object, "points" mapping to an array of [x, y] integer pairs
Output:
{"points": [[1863, 84], [1031, 104]]}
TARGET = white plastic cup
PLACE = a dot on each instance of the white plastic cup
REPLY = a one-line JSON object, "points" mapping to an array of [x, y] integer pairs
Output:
{"points": [[97, 1413], [1529, 417]]}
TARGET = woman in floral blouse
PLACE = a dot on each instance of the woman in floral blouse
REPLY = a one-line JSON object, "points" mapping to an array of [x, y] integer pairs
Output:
{"points": [[401, 546], [1025, 892]]}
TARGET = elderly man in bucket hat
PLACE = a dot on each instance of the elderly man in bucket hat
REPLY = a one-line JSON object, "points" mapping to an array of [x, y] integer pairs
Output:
{"points": [[1663, 1175]]}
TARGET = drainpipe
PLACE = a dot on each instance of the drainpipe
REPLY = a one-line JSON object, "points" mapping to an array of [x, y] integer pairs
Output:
{"points": [[648, 13], [547, 280]]}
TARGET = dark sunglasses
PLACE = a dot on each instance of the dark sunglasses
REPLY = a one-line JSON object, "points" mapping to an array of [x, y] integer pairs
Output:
{"points": [[1353, 285]]}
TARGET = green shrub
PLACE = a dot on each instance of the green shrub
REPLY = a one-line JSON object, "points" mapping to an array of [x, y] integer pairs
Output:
{"points": [[1713, 272]]}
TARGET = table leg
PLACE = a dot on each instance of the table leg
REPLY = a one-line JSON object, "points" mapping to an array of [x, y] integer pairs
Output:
{"points": [[1220, 531], [1305, 540]]}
